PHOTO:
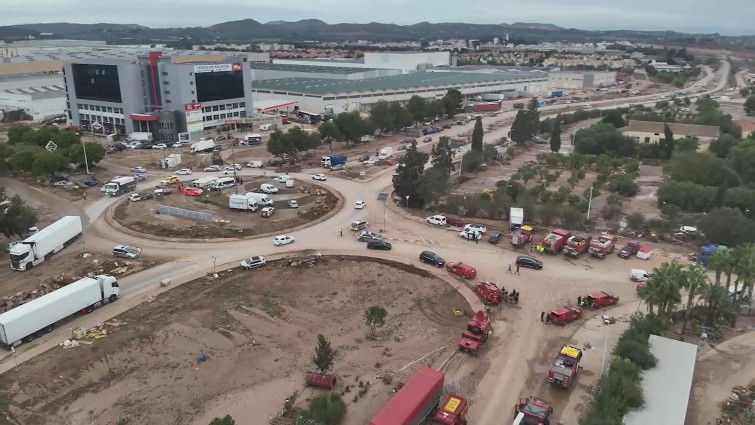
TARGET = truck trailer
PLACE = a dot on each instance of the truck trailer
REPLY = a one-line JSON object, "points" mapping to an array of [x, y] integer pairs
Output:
{"points": [[242, 202], [203, 145], [40, 315], [42, 245], [120, 185]]}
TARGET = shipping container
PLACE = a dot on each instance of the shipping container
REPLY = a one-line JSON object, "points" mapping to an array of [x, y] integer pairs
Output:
{"points": [[415, 401]]}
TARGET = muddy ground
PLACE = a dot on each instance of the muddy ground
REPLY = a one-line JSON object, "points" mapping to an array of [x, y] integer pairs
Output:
{"points": [[258, 329], [142, 217]]}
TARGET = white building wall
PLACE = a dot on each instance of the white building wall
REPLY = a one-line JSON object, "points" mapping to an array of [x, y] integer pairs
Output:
{"points": [[324, 62], [406, 61], [37, 108]]}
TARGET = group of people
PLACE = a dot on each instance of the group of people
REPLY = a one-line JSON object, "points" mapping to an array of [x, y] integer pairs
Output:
{"points": [[512, 297], [584, 302]]}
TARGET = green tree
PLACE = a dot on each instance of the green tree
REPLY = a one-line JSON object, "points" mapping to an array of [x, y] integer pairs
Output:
{"points": [[663, 289], [722, 146], [324, 355], [351, 126], [452, 101], [434, 108], [441, 155], [717, 304], [327, 409], [477, 134], [407, 180], [533, 117], [471, 161], [727, 226], [701, 168], [47, 163], [722, 261], [16, 133], [743, 160], [23, 158], [381, 115], [225, 420], [556, 135], [694, 281], [520, 128], [16, 217], [375, 318], [749, 105], [433, 184], [687, 144], [603, 138], [667, 143], [401, 117], [280, 143], [623, 184], [95, 153], [417, 107], [329, 134], [615, 117]]}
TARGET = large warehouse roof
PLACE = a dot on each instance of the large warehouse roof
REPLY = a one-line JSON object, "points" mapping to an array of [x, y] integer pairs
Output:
{"points": [[320, 86], [308, 68]]}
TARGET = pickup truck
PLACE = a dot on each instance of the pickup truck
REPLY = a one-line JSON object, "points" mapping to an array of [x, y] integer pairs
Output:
{"points": [[630, 249], [564, 315]]}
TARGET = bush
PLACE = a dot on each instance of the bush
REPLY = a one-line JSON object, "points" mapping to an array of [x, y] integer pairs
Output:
{"points": [[471, 161], [635, 221], [687, 196], [623, 184], [325, 410]]}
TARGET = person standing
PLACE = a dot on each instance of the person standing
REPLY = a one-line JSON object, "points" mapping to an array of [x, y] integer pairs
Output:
{"points": [[517, 269], [477, 238], [542, 316], [509, 270], [341, 231], [579, 300]]}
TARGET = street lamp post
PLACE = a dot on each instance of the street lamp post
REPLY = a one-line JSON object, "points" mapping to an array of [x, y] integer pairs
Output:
{"points": [[605, 351], [589, 204], [407, 201], [86, 162], [214, 261]]}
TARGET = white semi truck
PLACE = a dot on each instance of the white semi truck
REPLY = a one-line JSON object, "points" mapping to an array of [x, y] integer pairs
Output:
{"points": [[120, 185], [40, 246], [40, 315]]}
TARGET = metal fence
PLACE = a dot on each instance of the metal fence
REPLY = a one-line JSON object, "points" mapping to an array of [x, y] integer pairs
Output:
{"points": [[180, 212]]}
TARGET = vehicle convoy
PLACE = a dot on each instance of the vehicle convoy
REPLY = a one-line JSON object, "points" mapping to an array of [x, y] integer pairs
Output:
{"points": [[555, 241], [600, 299], [331, 160], [532, 411], [40, 315], [577, 245], [488, 292], [565, 367], [602, 246], [564, 315], [42, 245], [629, 249], [203, 145], [418, 400], [477, 333], [522, 236], [120, 185]]}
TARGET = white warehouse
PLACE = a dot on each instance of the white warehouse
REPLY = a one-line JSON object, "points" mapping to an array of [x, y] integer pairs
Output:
{"points": [[581, 79], [38, 95]]}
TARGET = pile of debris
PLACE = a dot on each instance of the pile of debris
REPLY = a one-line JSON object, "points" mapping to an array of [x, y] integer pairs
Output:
{"points": [[82, 336], [301, 262], [739, 408]]}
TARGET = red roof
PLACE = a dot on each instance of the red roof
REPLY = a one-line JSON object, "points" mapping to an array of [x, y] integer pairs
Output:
{"points": [[746, 124], [425, 384]]}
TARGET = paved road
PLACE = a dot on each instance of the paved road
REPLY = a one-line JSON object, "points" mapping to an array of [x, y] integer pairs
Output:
{"points": [[519, 338]]}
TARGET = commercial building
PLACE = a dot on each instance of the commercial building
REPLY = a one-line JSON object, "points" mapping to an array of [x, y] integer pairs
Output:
{"points": [[271, 71], [406, 62], [664, 66], [158, 93], [40, 96], [666, 387], [321, 95], [652, 132], [581, 79]]}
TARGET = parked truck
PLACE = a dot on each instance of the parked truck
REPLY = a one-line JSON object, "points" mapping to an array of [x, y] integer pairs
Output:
{"points": [[242, 202], [532, 411], [629, 249], [565, 367], [418, 399], [42, 245], [556, 93], [40, 315], [261, 199], [577, 245], [486, 107], [385, 153], [522, 236], [555, 241], [490, 97], [331, 160], [476, 334], [603, 245], [203, 145], [516, 218], [204, 182], [120, 185]]}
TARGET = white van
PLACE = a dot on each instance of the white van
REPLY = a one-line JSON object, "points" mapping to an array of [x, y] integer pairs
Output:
{"points": [[290, 183], [268, 188], [639, 275], [224, 183]]}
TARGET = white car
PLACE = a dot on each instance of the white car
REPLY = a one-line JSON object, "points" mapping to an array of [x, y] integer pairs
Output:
{"points": [[470, 234], [232, 168], [437, 220], [184, 171], [282, 178], [479, 228], [212, 168], [283, 240], [254, 164], [253, 262], [160, 146], [321, 177], [178, 145], [360, 204], [293, 204], [268, 188], [139, 169]]}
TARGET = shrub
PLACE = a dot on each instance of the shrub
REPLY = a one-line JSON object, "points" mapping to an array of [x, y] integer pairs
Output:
{"points": [[623, 184]]}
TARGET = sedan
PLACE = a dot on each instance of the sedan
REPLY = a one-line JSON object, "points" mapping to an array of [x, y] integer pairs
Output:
{"points": [[169, 180], [253, 262], [321, 177], [427, 139], [139, 169], [160, 146], [476, 228], [212, 168], [432, 258], [360, 204], [378, 244], [527, 261], [140, 177], [178, 145], [363, 158], [293, 204], [283, 240], [184, 171], [470, 235]]}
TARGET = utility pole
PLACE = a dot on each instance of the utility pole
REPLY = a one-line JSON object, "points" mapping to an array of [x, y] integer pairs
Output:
{"points": [[86, 162], [233, 164], [589, 204], [605, 351]]}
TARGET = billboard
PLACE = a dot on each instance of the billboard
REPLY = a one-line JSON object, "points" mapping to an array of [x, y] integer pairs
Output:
{"points": [[217, 67], [194, 121]]}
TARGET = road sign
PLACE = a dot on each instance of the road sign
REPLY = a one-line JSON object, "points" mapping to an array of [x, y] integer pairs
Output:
{"points": [[50, 146], [382, 196]]}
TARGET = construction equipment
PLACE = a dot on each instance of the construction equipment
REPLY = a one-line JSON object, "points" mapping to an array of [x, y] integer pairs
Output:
{"points": [[532, 411], [488, 292], [565, 367], [476, 334]]}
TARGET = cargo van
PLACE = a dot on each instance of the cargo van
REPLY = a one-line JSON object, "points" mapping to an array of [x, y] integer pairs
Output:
{"points": [[224, 183]]}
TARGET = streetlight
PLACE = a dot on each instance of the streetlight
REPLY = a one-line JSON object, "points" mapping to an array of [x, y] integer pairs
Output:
{"points": [[605, 351], [86, 162], [407, 201], [589, 204], [214, 260]]}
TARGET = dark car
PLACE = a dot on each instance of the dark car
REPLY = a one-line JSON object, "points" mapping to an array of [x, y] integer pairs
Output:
{"points": [[378, 244], [453, 220], [432, 258], [363, 158], [527, 261], [495, 237]]}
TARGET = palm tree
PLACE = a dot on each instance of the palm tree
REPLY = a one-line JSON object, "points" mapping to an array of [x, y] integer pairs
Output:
{"points": [[716, 303], [694, 280], [720, 262], [745, 268], [663, 287]]}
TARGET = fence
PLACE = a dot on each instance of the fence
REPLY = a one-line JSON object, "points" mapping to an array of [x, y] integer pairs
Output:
{"points": [[180, 212]]}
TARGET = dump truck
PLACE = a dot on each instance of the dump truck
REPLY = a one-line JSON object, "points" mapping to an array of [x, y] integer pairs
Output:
{"points": [[522, 236], [603, 245], [203, 145], [476, 334], [418, 400], [532, 411], [629, 249], [40, 315], [555, 241], [42, 245], [331, 160], [486, 106], [577, 245], [565, 367], [488, 292], [120, 185]]}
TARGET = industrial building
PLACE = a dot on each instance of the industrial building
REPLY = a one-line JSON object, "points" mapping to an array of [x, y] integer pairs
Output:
{"points": [[343, 95], [406, 62], [271, 71], [652, 132], [39, 95], [155, 93], [581, 80]]}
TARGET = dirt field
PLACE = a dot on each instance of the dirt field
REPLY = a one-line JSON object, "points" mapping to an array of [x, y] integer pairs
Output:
{"points": [[141, 216], [258, 329]]}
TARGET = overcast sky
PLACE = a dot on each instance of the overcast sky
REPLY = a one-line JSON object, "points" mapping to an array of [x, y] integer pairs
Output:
{"points": [[733, 17]]}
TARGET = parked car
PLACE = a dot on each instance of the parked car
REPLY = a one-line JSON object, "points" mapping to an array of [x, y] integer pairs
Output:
{"points": [[139, 169], [400, 148], [255, 164], [360, 204], [136, 197], [267, 211], [427, 139], [90, 182], [470, 234], [253, 262], [232, 169], [160, 146], [283, 240], [126, 251], [460, 269], [408, 141], [268, 188], [338, 167], [527, 261], [321, 177], [293, 204], [139, 177], [366, 236], [190, 190], [437, 220], [431, 258], [359, 225], [212, 168], [178, 144], [453, 220], [363, 158], [378, 244], [184, 171], [476, 227], [495, 237]]}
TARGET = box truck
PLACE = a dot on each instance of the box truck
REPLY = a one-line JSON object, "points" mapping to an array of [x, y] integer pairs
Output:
{"points": [[260, 198], [120, 185], [385, 153], [40, 246], [203, 146], [40, 315], [242, 202]]}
